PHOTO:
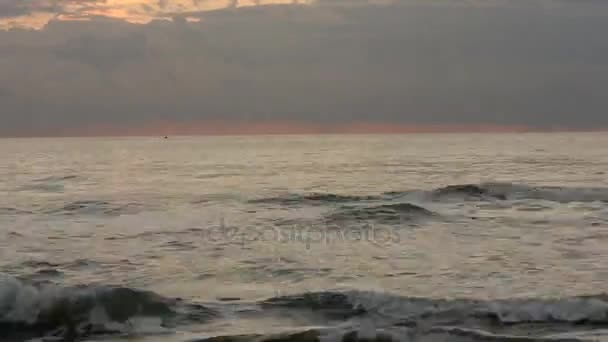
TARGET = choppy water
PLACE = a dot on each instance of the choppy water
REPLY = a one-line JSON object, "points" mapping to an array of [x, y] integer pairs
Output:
{"points": [[331, 238]]}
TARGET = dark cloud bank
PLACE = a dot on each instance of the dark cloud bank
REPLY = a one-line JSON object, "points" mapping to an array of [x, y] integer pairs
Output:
{"points": [[536, 63]]}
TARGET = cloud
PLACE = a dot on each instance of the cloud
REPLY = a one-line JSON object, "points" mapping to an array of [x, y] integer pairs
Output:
{"points": [[16, 8], [4, 93], [36, 13], [403, 63], [12, 9], [103, 52]]}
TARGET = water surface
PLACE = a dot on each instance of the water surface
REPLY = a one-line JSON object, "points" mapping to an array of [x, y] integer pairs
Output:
{"points": [[409, 236]]}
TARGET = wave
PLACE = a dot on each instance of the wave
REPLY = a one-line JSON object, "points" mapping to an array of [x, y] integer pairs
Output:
{"points": [[384, 213], [385, 335], [378, 317], [581, 310], [312, 199], [53, 184], [35, 310], [29, 310], [469, 191], [510, 191], [493, 191]]}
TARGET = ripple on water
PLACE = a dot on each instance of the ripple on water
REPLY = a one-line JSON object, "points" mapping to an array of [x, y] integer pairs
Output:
{"points": [[96, 207]]}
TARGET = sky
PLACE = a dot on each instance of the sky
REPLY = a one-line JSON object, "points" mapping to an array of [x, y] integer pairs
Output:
{"points": [[105, 67]]}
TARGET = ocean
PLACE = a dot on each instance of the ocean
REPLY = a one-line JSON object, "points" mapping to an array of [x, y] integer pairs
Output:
{"points": [[420, 237]]}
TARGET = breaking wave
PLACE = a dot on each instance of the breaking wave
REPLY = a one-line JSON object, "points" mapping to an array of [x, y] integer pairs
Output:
{"points": [[394, 334], [74, 313], [29, 310], [379, 317], [509, 191], [375, 317], [592, 310]]}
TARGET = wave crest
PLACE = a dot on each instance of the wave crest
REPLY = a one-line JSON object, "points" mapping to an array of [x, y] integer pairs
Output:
{"points": [[575, 310], [312, 199], [455, 192], [41, 309], [510, 191]]}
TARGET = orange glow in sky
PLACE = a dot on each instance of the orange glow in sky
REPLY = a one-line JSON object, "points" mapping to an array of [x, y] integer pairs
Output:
{"points": [[39, 12]]}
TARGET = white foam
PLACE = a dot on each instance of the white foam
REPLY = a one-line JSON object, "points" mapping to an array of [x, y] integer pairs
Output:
{"points": [[565, 310], [23, 303], [550, 193]]}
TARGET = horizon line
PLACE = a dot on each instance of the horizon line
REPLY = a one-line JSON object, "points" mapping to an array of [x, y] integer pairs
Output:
{"points": [[244, 128], [243, 134]]}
